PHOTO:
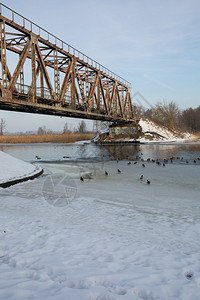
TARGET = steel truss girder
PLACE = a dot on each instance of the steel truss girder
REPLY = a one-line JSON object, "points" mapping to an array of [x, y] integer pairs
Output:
{"points": [[83, 89]]}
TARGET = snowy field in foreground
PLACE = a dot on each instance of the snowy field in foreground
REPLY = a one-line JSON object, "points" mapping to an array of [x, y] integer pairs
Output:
{"points": [[117, 238]]}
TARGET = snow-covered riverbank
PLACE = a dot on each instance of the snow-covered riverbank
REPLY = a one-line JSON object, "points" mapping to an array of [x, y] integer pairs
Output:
{"points": [[13, 170], [118, 238], [157, 133], [150, 133]]}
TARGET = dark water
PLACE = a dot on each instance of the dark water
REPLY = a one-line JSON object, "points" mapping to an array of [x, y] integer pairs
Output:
{"points": [[91, 152]]}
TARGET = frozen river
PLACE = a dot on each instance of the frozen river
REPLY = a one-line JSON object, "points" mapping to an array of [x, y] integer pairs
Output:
{"points": [[87, 151], [109, 237]]}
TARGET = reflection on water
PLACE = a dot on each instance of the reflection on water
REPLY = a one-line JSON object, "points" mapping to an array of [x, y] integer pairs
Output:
{"points": [[92, 152], [70, 152], [118, 152], [187, 151]]}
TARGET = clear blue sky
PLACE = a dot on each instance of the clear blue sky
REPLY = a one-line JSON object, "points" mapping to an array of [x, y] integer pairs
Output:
{"points": [[154, 44]]}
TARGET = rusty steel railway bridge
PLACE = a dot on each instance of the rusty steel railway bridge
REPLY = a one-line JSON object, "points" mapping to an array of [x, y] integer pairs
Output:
{"points": [[42, 74]]}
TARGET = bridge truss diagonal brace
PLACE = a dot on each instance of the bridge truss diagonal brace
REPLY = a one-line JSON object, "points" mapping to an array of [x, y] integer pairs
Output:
{"points": [[119, 102], [102, 91], [131, 112], [125, 104], [112, 96], [92, 91], [65, 84], [20, 65], [81, 87], [44, 71]]}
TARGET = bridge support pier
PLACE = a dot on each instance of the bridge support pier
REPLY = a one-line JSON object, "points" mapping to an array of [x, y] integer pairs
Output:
{"points": [[129, 130]]}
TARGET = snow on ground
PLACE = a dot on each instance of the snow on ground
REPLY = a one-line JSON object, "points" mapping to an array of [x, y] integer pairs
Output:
{"points": [[116, 237], [153, 132], [12, 168]]}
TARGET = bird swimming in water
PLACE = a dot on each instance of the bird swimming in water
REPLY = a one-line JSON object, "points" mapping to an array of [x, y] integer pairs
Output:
{"points": [[143, 165], [141, 177], [106, 173], [148, 181], [81, 178], [135, 162], [118, 170], [129, 163]]}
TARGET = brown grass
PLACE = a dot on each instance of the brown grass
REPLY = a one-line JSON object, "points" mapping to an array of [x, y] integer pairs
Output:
{"points": [[47, 138], [195, 139]]}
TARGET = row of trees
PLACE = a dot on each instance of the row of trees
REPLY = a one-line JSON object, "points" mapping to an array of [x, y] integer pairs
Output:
{"points": [[42, 130], [191, 119], [82, 128], [170, 115]]}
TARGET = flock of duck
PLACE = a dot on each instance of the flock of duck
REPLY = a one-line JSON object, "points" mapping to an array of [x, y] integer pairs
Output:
{"points": [[162, 162]]}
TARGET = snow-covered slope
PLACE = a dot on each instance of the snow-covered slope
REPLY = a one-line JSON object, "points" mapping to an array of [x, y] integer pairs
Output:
{"points": [[13, 169], [154, 132]]}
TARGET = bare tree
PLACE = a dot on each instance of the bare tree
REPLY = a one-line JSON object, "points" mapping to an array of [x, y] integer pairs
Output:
{"points": [[82, 127], [2, 126], [96, 126], [66, 129], [42, 130], [166, 114], [138, 111]]}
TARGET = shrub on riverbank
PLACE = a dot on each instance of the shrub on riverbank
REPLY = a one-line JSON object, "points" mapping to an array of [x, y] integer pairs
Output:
{"points": [[47, 138]]}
